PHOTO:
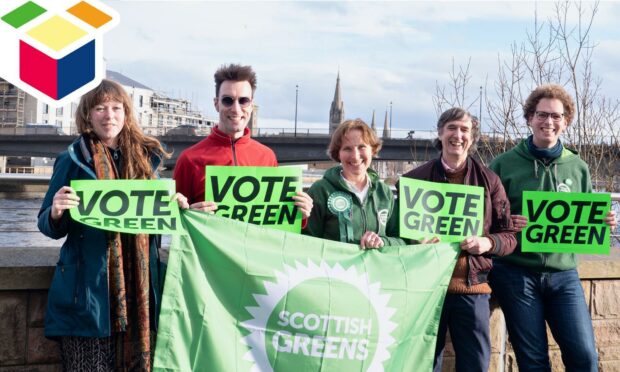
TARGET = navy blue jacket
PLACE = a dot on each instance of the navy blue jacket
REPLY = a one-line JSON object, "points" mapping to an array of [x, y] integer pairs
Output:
{"points": [[78, 301]]}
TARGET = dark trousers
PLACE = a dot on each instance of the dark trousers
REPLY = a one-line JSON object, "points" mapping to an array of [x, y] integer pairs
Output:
{"points": [[467, 318], [530, 299]]}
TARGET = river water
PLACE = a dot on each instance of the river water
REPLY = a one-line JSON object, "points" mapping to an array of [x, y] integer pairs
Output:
{"points": [[18, 222]]}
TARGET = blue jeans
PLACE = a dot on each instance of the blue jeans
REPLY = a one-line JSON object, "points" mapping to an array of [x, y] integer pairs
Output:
{"points": [[467, 318], [528, 299]]}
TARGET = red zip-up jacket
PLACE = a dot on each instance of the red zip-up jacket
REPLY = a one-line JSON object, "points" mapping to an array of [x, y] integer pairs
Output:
{"points": [[217, 149], [497, 222]]}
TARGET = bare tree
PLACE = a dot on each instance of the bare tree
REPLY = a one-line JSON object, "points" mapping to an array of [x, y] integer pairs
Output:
{"points": [[557, 50], [455, 94]]}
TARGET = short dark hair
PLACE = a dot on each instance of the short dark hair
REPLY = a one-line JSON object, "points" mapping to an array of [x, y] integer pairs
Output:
{"points": [[368, 135], [551, 91], [234, 72], [458, 113]]}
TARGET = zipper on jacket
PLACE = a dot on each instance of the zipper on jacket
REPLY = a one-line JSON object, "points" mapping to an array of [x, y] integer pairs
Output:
{"points": [[363, 207], [363, 220], [234, 153]]}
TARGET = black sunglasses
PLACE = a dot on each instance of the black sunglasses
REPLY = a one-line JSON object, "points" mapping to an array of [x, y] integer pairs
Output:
{"points": [[229, 101]]}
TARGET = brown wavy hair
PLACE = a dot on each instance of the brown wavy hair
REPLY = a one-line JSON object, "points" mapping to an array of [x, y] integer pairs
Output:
{"points": [[136, 147], [551, 91], [368, 135]]}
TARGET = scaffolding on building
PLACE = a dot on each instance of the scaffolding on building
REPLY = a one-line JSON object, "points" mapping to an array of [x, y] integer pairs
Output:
{"points": [[170, 113]]}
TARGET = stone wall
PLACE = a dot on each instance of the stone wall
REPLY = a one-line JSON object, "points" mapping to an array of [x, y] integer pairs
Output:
{"points": [[23, 347], [601, 284]]}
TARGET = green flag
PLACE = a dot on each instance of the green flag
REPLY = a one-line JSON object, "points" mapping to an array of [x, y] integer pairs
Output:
{"points": [[241, 297]]}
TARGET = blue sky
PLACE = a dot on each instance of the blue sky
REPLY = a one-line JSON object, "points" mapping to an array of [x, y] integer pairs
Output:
{"points": [[385, 51]]}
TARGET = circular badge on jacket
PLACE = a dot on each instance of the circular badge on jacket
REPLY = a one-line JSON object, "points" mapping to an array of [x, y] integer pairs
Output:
{"points": [[564, 186], [339, 202]]}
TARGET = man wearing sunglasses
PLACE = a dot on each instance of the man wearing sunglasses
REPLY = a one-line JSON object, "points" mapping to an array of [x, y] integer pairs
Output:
{"points": [[229, 142]]}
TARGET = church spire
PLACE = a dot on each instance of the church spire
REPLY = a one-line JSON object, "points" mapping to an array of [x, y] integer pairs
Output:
{"points": [[336, 113], [386, 127], [373, 126], [337, 96]]}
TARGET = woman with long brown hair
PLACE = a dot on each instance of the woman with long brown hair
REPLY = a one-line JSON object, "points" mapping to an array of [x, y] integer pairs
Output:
{"points": [[105, 294]]}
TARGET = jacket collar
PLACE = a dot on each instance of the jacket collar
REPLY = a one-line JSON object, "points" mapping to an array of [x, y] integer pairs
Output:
{"points": [[218, 136]]}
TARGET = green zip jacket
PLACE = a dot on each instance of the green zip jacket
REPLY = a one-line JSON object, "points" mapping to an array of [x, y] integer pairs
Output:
{"points": [[519, 171], [338, 215]]}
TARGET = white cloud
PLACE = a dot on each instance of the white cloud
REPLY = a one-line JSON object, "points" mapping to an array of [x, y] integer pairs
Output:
{"points": [[386, 51]]}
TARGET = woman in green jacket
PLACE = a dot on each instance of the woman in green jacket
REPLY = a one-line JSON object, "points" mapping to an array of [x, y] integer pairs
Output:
{"points": [[351, 204]]}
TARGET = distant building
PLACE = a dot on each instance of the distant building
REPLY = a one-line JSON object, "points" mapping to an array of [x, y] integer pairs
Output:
{"points": [[16, 107], [155, 112], [336, 113]]}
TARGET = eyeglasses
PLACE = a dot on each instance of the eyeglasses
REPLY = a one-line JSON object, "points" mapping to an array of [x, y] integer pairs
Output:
{"points": [[555, 116], [229, 101]]}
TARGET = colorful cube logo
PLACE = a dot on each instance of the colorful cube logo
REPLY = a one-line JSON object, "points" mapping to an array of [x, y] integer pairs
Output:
{"points": [[54, 47]]}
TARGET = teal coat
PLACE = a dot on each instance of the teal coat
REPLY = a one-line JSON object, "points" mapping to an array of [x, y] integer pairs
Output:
{"points": [[519, 171], [337, 213], [78, 299]]}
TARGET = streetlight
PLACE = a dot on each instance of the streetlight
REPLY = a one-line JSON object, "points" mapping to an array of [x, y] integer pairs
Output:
{"points": [[296, 98]]}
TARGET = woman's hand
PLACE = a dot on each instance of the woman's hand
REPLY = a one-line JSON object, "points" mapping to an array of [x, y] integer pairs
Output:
{"points": [[181, 200], [611, 220], [205, 206], [476, 244], [519, 222], [371, 239], [303, 202], [64, 199]]}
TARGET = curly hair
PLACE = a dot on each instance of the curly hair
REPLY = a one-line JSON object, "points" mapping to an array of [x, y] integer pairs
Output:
{"points": [[135, 146], [368, 136], [458, 113], [551, 91], [234, 72]]}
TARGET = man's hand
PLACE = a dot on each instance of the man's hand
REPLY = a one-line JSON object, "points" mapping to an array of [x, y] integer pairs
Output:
{"points": [[180, 199], [518, 222], [303, 202], [205, 206], [611, 220], [476, 244]]}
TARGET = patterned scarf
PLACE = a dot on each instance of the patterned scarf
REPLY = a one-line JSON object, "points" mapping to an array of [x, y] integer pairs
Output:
{"points": [[129, 281]]}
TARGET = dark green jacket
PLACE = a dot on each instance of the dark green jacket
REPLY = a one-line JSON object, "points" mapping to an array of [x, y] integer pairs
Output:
{"points": [[519, 171], [338, 215]]}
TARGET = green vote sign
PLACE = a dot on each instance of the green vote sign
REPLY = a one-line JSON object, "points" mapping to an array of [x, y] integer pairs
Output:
{"points": [[447, 211], [258, 195], [129, 206], [565, 222]]}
